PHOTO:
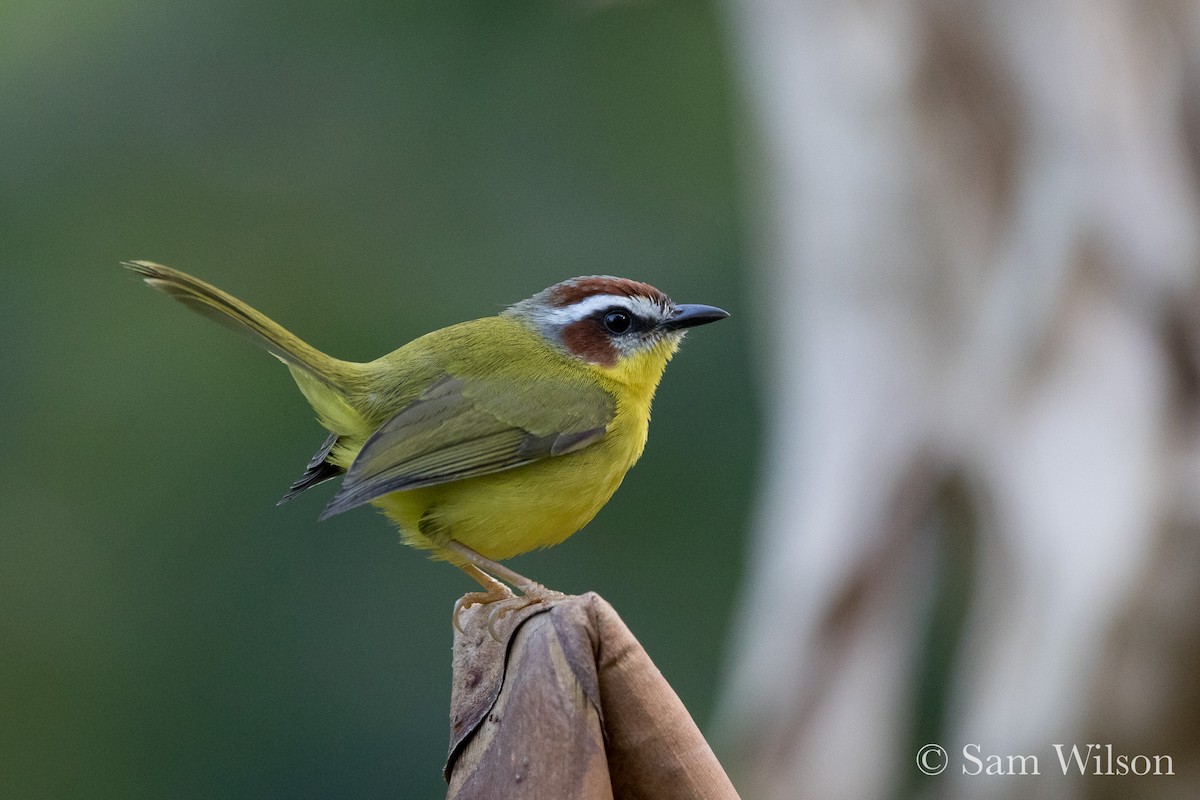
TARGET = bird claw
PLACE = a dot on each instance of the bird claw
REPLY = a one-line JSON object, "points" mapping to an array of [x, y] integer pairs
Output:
{"points": [[477, 599], [536, 593], [531, 594], [503, 604]]}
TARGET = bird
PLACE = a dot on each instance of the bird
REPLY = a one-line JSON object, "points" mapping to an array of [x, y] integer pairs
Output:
{"points": [[485, 439]]}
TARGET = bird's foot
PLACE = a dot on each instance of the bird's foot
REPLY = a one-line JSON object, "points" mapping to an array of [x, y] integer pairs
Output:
{"points": [[503, 601], [532, 593], [497, 592], [536, 593]]}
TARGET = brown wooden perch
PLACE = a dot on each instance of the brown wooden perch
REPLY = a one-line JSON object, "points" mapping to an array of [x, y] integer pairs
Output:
{"points": [[567, 705]]}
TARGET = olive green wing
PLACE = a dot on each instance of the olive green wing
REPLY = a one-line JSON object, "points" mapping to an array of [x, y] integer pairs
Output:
{"points": [[465, 427]]}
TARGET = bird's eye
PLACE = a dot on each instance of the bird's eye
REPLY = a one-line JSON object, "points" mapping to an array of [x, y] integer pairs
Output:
{"points": [[617, 321]]}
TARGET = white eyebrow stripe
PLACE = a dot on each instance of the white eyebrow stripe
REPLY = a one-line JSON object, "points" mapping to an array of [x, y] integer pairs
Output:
{"points": [[587, 307]]}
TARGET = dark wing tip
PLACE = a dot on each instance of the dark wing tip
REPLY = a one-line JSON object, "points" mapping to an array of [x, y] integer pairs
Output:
{"points": [[342, 501], [354, 493]]}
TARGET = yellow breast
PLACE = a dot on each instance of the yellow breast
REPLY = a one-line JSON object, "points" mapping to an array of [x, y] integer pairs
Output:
{"points": [[540, 504]]}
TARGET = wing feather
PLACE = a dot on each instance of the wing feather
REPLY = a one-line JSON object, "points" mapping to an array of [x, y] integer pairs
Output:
{"points": [[462, 428]]}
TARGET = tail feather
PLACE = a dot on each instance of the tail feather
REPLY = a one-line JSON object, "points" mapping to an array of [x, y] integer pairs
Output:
{"points": [[217, 305], [319, 470]]}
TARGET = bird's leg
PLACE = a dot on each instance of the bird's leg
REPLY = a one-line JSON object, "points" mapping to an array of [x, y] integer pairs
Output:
{"points": [[495, 591], [531, 591]]}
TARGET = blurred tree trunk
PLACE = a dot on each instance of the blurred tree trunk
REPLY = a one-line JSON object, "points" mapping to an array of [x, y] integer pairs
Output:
{"points": [[981, 518]]}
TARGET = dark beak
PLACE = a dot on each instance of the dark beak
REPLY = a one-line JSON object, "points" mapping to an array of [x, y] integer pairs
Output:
{"points": [[690, 315]]}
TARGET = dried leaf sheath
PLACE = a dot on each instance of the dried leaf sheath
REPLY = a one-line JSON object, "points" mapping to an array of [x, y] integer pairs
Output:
{"points": [[570, 706]]}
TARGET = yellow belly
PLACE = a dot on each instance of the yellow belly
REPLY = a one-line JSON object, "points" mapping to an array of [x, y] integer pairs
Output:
{"points": [[512, 512]]}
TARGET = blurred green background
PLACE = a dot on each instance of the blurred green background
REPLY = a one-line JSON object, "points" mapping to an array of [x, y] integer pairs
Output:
{"points": [[363, 173]]}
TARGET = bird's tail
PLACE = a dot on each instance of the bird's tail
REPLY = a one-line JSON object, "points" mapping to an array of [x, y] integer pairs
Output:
{"points": [[323, 379], [215, 304]]}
